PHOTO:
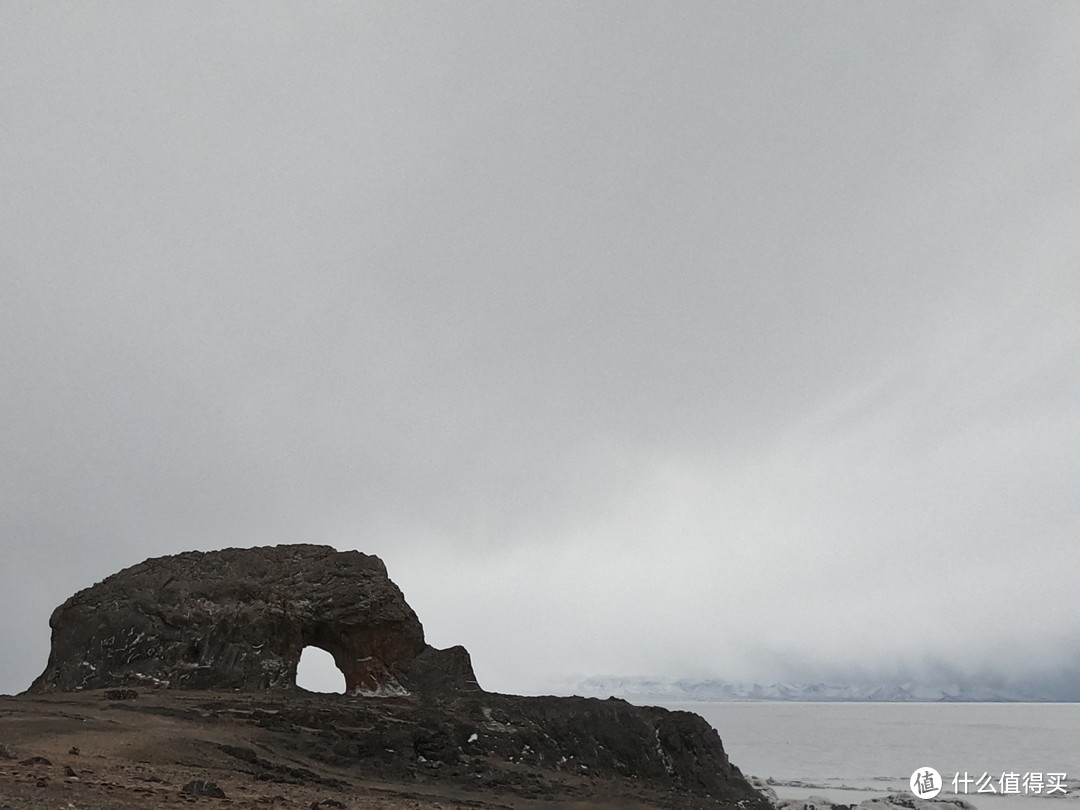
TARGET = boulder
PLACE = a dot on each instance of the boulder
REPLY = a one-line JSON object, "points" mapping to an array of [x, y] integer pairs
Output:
{"points": [[200, 787]]}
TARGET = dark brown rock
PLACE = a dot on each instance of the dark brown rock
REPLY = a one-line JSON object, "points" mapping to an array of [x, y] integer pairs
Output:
{"points": [[200, 787], [120, 694], [239, 619], [529, 746]]}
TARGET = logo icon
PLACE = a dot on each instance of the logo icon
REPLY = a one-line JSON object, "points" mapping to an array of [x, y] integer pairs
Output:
{"points": [[925, 782]]}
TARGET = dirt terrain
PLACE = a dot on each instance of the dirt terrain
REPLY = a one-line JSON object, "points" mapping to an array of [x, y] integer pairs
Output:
{"points": [[85, 751]]}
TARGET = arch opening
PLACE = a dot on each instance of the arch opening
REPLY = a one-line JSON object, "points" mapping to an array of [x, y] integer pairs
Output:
{"points": [[317, 672]]}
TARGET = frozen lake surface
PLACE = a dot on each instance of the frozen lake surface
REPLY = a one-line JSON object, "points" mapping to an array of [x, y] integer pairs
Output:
{"points": [[848, 752]]}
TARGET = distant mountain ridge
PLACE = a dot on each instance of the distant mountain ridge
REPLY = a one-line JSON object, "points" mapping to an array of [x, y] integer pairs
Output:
{"points": [[717, 690]]}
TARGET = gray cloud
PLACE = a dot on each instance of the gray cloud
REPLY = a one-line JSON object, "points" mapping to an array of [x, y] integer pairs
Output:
{"points": [[722, 339]]}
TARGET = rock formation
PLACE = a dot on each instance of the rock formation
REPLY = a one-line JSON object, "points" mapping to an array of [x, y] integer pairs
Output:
{"points": [[234, 623], [239, 619]]}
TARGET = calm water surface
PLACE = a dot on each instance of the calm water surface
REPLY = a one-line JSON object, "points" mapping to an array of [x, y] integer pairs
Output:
{"points": [[852, 751]]}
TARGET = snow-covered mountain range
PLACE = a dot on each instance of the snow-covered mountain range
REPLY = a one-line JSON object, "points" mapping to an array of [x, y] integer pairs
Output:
{"points": [[716, 690]]}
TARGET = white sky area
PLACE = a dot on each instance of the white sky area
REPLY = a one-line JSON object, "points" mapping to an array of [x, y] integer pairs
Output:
{"points": [[317, 672], [732, 340]]}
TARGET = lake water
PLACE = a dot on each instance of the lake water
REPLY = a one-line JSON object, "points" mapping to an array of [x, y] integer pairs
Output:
{"points": [[848, 752]]}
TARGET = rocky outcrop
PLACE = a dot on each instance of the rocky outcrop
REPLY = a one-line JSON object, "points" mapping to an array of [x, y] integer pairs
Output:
{"points": [[550, 747], [892, 801], [239, 619], [234, 623]]}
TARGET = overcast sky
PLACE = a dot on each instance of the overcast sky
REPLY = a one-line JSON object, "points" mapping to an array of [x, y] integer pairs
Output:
{"points": [[705, 339]]}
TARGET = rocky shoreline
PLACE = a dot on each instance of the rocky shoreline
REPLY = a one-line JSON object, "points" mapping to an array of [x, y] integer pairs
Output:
{"points": [[892, 801]]}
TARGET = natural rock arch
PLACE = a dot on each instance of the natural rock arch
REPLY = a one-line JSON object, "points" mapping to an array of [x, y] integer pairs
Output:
{"points": [[317, 672], [239, 619]]}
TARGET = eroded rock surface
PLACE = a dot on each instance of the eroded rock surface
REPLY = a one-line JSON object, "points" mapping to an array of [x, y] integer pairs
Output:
{"points": [[239, 619]]}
